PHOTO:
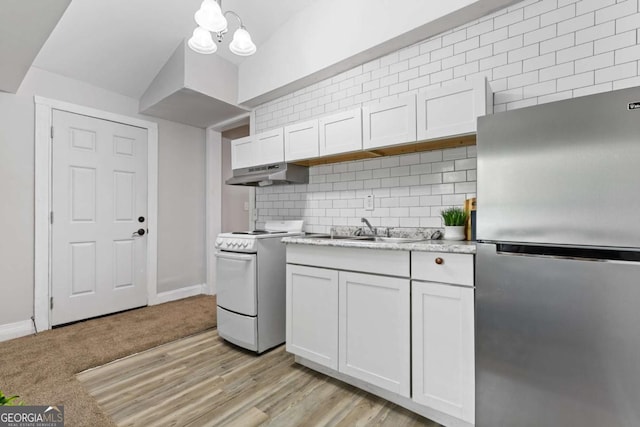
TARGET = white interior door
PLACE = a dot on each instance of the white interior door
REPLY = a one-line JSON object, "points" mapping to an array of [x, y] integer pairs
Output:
{"points": [[99, 202]]}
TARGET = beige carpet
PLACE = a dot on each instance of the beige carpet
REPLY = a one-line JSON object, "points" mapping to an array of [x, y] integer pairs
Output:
{"points": [[41, 369]]}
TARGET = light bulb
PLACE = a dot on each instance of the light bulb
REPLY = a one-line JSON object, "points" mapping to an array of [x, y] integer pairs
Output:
{"points": [[242, 44], [210, 17], [202, 42]]}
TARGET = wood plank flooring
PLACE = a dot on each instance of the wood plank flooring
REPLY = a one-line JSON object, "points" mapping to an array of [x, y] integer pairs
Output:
{"points": [[204, 381]]}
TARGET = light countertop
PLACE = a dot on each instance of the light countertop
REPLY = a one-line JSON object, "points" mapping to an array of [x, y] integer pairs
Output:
{"points": [[450, 246]]}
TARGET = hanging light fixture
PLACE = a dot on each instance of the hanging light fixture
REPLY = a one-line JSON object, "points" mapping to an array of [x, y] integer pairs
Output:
{"points": [[211, 19]]}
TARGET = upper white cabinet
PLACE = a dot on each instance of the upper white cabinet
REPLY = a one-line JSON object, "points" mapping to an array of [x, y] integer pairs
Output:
{"points": [[261, 149], [301, 141], [390, 122], [270, 146], [243, 154], [341, 133], [453, 110]]}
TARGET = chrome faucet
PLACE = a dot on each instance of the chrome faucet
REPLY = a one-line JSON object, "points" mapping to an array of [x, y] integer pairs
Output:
{"points": [[366, 221]]}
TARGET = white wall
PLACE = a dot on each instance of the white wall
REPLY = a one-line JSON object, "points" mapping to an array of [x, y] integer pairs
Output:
{"points": [[181, 206], [332, 35], [17, 189], [234, 197], [533, 52]]}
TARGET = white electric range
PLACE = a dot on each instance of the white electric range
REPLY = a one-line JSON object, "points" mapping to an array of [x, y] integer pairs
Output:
{"points": [[251, 282]]}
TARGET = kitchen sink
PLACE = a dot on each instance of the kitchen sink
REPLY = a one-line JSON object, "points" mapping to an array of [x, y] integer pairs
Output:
{"points": [[397, 239], [367, 238]]}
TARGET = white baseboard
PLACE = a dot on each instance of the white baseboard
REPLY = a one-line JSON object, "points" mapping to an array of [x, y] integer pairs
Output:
{"points": [[10, 331], [181, 293]]}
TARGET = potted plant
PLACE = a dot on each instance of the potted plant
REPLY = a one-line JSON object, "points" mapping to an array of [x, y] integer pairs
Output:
{"points": [[9, 400], [454, 220]]}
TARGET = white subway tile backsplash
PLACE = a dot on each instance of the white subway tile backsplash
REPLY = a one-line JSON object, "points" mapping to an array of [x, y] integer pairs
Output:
{"points": [[617, 10], [558, 15], [524, 53], [575, 24], [627, 54], [525, 26], [576, 81], [540, 7], [541, 34], [594, 62], [508, 19], [618, 41], [532, 52], [573, 53], [542, 61], [618, 72]]}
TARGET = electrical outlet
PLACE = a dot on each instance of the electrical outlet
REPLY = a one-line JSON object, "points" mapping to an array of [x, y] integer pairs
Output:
{"points": [[369, 203]]}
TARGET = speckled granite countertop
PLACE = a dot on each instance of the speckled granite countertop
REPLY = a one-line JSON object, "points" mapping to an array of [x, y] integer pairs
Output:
{"points": [[450, 246]]}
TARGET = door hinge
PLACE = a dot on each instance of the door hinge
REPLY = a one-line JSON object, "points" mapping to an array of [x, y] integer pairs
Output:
{"points": [[51, 133], [51, 303], [51, 217]]}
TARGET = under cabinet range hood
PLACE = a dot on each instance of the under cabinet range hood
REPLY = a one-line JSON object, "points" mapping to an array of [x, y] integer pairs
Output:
{"points": [[273, 174]]}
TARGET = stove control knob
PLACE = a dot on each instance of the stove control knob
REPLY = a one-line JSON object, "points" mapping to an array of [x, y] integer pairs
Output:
{"points": [[218, 242], [245, 244]]}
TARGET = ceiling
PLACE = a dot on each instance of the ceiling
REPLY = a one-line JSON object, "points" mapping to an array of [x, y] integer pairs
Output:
{"points": [[120, 45]]}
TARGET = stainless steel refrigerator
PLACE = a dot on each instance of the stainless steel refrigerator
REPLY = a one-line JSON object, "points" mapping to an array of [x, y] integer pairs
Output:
{"points": [[558, 264]]}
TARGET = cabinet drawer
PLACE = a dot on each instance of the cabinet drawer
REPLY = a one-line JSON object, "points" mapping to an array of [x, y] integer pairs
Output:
{"points": [[374, 261], [442, 267]]}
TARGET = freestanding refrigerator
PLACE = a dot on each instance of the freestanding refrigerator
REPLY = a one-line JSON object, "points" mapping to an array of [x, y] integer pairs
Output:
{"points": [[558, 264]]}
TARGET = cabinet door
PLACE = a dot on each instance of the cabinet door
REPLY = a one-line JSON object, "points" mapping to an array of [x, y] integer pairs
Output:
{"points": [[301, 141], [341, 133], [242, 153], [312, 314], [270, 147], [374, 330], [442, 325], [452, 110], [389, 123]]}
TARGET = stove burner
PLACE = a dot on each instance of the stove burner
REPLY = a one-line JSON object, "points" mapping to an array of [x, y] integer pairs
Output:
{"points": [[256, 232]]}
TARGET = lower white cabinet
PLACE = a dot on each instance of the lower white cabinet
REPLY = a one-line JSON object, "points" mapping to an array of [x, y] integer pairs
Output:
{"points": [[443, 348], [312, 314], [374, 330]]}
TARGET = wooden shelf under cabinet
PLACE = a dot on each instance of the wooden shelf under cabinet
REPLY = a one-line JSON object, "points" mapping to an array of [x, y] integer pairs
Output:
{"points": [[439, 144]]}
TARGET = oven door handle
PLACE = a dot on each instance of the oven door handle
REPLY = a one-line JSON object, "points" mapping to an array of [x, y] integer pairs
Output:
{"points": [[234, 256]]}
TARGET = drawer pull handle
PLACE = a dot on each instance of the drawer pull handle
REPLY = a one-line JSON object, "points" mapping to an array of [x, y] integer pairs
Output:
{"points": [[439, 261]]}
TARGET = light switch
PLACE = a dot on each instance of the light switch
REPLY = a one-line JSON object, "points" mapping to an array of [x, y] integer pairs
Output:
{"points": [[246, 206], [369, 202]]}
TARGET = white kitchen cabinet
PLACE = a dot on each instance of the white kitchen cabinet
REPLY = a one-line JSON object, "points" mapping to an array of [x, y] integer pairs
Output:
{"points": [[270, 146], [301, 141], [341, 133], [243, 154], [255, 150], [453, 110], [442, 321], [374, 341], [389, 122], [442, 267], [312, 314]]}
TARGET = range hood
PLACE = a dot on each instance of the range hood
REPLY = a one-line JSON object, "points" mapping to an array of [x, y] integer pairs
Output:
{"points": [[274, 174]]}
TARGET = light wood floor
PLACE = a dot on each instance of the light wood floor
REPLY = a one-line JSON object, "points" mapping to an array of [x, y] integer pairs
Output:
{"points": [[204, 381]]}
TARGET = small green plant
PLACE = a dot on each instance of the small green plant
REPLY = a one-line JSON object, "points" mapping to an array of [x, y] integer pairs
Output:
{"points": [[9, 400], [454, 216]]}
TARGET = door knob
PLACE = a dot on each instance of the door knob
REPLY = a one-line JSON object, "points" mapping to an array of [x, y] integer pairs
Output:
{"points": [[140, 232]]}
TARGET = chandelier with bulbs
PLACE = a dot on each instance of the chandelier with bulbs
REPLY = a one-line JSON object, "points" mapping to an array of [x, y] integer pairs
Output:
{"points": [[211, 19]]}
